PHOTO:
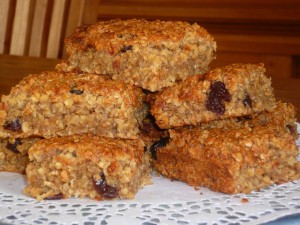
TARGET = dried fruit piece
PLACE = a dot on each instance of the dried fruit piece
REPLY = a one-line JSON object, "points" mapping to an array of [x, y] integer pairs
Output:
{"points": [[13, 146], [247, 101], [13, 125], [243, 118], [163, 141], [291, 128], [244, 200], [104, 189], [126, 48], [216, 97], [76, 91]]}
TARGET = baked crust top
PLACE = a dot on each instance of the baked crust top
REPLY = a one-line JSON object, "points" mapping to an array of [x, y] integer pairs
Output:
{"points": [[89, 147], [118, 34], [56, 84]]}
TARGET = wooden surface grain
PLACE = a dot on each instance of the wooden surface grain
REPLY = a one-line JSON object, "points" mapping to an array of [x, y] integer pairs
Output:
{"points": [[14, 68]]}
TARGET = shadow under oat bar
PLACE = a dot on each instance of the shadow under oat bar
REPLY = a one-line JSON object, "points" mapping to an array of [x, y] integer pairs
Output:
{"points": [[230, 91], [58, 104], [87, 166], [234, 156], [150, 54]]}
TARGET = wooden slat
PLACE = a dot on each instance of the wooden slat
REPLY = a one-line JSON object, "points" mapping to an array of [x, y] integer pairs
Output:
{"points": [[21, 26], [4, 9], [207, 12], [74, 16], [90, 11], [280, 3], [55, 32], [81, 12], [37, 32]]}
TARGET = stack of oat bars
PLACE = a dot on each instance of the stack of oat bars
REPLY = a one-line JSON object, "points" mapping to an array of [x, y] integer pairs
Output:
{"points": [[85, 129]]}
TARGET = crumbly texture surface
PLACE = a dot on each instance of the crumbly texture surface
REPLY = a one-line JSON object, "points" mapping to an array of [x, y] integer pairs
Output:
{"points": [[234, 157], [87, 166], [282, 117], [150, 54], [14, 154], [58, 104], [230, 91]]}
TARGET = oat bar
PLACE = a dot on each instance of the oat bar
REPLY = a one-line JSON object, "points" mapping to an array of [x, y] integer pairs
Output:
{"points": [[282, 117], [234, 157], [231, 91], [58, 104], [87, 166], [150, 54]]}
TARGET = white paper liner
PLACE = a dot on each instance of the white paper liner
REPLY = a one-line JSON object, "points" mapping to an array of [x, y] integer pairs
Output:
{"points": [[164, 202]]}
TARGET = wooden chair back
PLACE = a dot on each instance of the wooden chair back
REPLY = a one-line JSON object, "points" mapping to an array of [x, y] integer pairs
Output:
{"points": [[38, 27]]}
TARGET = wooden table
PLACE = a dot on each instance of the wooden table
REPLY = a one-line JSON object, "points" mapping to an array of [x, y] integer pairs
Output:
{"points": [[14, 68]]}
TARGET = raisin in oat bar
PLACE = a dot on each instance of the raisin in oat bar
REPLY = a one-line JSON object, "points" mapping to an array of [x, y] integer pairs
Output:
{"points": [[233, 157], [150, 54], [13, 154], [87, 166], [58, 104], [231, 91]]}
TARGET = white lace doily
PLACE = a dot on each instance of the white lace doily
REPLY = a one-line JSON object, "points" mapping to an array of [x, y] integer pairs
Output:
{"points": [[164, 202]]}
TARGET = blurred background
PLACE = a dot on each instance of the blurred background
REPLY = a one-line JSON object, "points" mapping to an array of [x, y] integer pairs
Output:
{"points": [[249, 31]]}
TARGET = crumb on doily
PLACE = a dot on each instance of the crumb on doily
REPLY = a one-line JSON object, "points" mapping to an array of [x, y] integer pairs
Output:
{"points": [[244, 200]]}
